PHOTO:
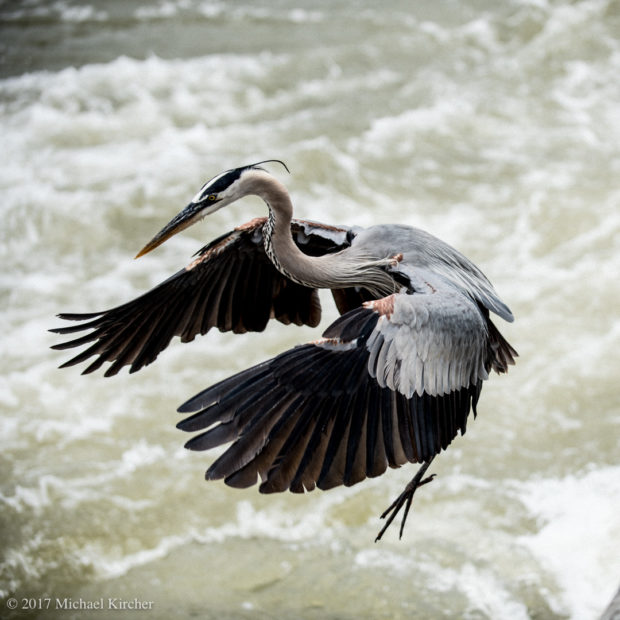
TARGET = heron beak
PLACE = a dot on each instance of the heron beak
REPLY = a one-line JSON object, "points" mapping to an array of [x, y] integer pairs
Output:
{"points": [[190, 215]]}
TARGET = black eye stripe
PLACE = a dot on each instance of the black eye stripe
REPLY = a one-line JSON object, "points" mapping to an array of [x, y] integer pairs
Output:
{"points": [[217, 184], [224, 180]]}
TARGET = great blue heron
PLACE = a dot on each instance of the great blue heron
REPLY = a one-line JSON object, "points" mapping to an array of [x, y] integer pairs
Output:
{"points": [[392, 380]]}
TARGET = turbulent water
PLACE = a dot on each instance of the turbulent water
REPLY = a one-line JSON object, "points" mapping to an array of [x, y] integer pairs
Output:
{"points": [[495, 126]]}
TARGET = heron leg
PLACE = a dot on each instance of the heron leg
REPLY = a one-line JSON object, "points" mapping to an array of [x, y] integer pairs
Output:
{"points": [[405, 499]]}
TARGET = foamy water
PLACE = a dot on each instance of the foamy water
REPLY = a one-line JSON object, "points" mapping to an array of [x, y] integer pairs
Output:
{"points": [[494, 127]]}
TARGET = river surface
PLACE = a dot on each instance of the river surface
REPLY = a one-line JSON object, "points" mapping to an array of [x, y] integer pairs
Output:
{"points": [[495, 126]]}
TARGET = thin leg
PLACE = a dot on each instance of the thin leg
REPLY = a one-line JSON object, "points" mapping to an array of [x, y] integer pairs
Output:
{"points": [[405, 498]]}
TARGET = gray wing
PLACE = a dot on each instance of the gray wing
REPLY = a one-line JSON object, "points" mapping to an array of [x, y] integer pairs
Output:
{"points": [[230, 285], [419, 250], [432, 342], [391, 381]]}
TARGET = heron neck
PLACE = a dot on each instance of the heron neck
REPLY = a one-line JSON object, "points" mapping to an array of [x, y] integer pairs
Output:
{"points": [[328, 271], [282, 250]]}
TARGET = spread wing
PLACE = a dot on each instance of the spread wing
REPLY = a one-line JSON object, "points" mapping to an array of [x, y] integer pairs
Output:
{"points": [[390, 382], [230, 285]]}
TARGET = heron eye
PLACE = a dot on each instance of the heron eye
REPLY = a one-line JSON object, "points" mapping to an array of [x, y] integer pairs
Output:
{"points": [[211, 197]]}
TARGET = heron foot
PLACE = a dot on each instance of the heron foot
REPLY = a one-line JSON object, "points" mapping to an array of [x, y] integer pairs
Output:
{"points": [[404, 499]]}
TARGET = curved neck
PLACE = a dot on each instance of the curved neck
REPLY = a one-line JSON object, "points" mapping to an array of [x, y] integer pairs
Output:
{"points": [[333, 271]]}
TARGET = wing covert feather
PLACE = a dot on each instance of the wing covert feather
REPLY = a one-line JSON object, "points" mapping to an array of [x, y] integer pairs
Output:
{"points": [[431, 342]]}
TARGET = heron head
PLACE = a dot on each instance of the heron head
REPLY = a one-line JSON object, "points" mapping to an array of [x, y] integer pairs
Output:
{"points": [[220, 191]]}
